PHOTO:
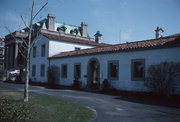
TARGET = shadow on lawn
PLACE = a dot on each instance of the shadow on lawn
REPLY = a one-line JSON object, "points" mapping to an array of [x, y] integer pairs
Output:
{"points": [[173, 101], [136, 97], [142, 97]]}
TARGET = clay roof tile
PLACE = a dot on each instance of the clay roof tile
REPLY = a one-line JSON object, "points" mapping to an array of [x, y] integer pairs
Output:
{"points": [[145, 44]]}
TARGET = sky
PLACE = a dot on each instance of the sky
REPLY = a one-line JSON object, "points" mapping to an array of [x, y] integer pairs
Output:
{"points": [[118, 21]]}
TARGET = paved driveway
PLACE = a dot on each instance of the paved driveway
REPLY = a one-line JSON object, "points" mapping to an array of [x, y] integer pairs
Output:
{"points": [[109, 108]]}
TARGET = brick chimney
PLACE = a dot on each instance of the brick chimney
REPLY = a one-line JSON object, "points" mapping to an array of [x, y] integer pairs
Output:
{"points": [[51, 22], [84, 29], [98, 36], [159, 32]]}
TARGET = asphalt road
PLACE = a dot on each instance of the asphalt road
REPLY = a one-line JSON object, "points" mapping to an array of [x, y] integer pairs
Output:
{"points": [[107, 107]]}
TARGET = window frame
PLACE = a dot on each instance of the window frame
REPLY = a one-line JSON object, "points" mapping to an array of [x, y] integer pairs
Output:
{"points": [[75, 71], [64, 75], [43, 50], [133, 78], [42, 70], [109, 71]]}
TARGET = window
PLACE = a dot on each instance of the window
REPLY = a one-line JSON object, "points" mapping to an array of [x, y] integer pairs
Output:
{"points": [[64, 71], [76, 31], [77, 70], [33, 70], [42, 70], [43, 50], [113, 70], [34, 52], [77, 48], [61, 29], [138, 69]]}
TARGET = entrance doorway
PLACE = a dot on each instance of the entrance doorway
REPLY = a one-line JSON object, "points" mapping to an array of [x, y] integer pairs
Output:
{"points": [[93, 74]]}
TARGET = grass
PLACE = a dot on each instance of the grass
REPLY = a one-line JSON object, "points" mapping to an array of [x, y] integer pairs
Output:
{"points": [[40, 109]]}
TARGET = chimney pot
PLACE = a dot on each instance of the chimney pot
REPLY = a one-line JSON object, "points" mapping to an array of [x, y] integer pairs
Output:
{"points": [[51, 22], [98, 36], [159, 32], [84, 32]]}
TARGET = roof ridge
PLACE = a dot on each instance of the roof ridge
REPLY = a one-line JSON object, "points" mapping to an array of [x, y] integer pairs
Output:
{"points": [[66, 24], [163, 41], [165, 37], [70, 38]]}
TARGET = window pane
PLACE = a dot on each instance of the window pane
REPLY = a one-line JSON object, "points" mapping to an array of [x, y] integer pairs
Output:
{"points": [[34, 52], [64, 71], [42, 70], [113, 69], [43, 49], [138, 69], [33, 70], [77, 71]]}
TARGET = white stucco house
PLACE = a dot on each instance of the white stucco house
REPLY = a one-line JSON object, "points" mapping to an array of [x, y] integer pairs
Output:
{"points": [[78, 56], [124, 65], [54, 39]]}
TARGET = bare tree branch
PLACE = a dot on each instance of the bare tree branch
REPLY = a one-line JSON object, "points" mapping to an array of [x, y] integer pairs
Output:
{"points": [[39, 10], [22, 53], [24, 22], [35, 41], [26, 89], [11, 33], [14, 36], [26, 46]]}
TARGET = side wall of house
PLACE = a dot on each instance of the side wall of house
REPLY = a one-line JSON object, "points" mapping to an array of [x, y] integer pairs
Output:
{"points": [[124, 81], [52, 47], [39, 60], [56, 46]]}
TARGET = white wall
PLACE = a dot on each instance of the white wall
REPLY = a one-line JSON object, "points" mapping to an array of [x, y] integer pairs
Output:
{"points": [[38, 60], [52, 47], [56, 46], [124, 82]]}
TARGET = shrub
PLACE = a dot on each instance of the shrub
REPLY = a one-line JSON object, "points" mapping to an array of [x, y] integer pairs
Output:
{"points": [[76, 84], [12, 111], [105, 85], [162, 77]]}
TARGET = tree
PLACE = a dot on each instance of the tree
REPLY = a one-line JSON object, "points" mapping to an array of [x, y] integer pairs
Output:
{"points": [[163, 77], [29, 46], [26, 46]]}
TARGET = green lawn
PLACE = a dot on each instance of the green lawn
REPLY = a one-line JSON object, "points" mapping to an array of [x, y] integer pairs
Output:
{"points": [[40, 109]]}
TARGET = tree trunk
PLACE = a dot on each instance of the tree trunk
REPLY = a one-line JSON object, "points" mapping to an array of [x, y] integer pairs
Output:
{"points": [[26, 89]]}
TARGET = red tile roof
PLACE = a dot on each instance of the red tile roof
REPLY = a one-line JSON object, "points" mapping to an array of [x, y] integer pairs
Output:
{"points": [[73, 39], [1, 39], [145, 44]]}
